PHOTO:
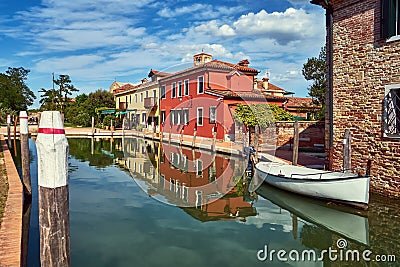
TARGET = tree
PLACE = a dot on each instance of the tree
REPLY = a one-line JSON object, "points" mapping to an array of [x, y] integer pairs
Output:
{"points": [[49, 99], [81, 111], [262, 115], [315, 70], [14, 93], [65, 90], [58, 99]]}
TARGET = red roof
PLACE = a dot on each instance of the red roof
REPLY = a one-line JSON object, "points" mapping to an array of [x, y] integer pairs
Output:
{"points": [[299, 101], [255, 94], [124, 87], [271, 87], [229, 66], [158, 73]]}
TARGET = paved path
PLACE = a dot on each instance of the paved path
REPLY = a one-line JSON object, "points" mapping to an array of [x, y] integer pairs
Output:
{"points": [[305, 159], [11, 226]]}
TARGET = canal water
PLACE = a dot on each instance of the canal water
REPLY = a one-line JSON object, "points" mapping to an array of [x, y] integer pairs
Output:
{"points": [[134, 202]]}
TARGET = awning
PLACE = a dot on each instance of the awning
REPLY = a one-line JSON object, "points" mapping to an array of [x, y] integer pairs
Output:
{"points": [[108, 111], [121, 112]]}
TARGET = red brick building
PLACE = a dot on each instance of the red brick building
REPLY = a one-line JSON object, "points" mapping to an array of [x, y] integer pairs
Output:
{"points": [[363, 48]]}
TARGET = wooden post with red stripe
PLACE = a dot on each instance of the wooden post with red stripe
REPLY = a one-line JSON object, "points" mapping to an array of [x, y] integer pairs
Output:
{"points": [[52, 150], [9, 131], [24, 135]]}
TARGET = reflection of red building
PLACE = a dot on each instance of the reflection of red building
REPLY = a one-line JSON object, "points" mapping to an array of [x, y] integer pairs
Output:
{"points": [[197, 177]]}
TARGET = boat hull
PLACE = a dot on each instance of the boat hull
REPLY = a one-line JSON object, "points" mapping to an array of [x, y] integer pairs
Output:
{"points": [[351, 190]]}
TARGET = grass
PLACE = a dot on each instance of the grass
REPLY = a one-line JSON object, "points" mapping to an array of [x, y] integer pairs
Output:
{"points": [[3, 185]]}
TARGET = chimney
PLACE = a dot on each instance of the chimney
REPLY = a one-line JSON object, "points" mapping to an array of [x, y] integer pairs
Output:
{"points": [[265, 83], [144, 80], [201, 58], [244, 63]]}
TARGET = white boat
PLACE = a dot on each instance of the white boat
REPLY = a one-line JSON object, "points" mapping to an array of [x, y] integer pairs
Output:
{"points": [[347, 188]]}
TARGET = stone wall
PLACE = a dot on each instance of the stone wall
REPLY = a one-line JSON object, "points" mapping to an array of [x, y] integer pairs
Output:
{"points": [[363, 65], [311, 135]]}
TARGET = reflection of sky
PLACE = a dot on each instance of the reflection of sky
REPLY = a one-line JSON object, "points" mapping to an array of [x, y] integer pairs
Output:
{"points": [[270, 215], [114, 223]]}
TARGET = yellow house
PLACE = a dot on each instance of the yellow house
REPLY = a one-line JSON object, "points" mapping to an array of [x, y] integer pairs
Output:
{"points": [[140, 102], [116, 85]]}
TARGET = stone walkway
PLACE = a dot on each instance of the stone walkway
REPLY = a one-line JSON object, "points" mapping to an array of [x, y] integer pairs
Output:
{"points": [[11, 226]]}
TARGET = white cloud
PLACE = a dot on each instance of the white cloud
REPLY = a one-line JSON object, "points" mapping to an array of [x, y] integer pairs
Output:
{"points": [[212, 28], [283, 27], [200, 11]]}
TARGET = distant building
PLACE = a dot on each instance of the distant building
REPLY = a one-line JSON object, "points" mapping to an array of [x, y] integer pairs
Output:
{"points": [[363, 48], [139, 103], [116, 85]]}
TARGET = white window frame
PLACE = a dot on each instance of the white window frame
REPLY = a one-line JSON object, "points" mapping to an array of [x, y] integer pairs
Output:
{"points": [[173, 90], [396, 36], [198, 84], [390, 115], [163, 115], [180, 87], [185, 116], [172, 117], [163, 92], [215, 114], [186, 87], [199, 168], [198, 117]]}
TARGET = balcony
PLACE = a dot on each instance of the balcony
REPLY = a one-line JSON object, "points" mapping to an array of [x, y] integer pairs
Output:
{"points": [[150, 102]]}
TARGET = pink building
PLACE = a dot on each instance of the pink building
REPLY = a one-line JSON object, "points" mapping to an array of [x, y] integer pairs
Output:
{"points": [[203, 97]]}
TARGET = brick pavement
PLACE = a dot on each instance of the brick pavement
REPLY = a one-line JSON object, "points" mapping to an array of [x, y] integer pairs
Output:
{"points": [[11, 226]]}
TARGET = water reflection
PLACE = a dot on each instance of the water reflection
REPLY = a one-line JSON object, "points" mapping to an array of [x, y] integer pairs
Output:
{"points": [[111, 216], [208, 186]]}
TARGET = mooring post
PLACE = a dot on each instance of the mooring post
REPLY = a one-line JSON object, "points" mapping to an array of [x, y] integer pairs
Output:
{"points": [[92, 126], [24, 136], [52, 151], [15, 127], [170, 133], [123, 126], [9, 131], [182, 133], [214, 134], [194, 135], [111, 127], [295, 143], [347, 151]]}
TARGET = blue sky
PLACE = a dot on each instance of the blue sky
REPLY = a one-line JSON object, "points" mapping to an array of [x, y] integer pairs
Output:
{"points": [[98, 41]]}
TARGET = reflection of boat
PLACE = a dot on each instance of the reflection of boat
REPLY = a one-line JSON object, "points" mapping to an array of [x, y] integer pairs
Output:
{"points": [[348, 225], [341, 187]]}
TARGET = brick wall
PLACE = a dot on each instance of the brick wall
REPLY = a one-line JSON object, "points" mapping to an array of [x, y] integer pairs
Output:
{"points": [[363, 64], [311, 134]]}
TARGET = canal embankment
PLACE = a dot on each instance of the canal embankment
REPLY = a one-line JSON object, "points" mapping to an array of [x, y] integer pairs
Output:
{"points": [[283, 155], [11, 224]]}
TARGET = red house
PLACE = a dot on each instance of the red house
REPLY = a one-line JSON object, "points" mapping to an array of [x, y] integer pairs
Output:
{"points": [[203, 97]]}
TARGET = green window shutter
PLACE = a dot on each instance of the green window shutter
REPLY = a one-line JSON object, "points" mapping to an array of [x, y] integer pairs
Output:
{"points": [[388, 18]]}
